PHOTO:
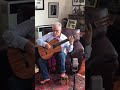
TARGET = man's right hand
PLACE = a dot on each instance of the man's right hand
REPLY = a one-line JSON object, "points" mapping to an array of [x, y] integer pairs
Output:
{"points": [[48, 46], [88, 34], [29, 48]]}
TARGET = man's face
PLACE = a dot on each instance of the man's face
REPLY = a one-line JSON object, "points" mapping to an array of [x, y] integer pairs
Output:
{"points": [[56, 30]]}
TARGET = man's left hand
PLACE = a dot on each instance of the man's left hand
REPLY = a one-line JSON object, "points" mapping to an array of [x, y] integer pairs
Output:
{"points": [[71, 40]]}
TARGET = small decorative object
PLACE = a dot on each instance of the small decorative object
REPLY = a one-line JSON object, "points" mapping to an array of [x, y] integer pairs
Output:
{"points": [[75, 9], [64, 22], [77, 2], [53, 9], [78, 6], [79, 10], [71, 24], [39, 4], [64, 80], [91, 3]]}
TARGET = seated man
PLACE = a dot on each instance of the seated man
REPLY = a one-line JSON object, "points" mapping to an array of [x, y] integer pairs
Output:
{"points": [[60, 56]]}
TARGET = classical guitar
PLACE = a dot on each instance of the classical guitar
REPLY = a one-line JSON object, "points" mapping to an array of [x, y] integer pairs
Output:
{"points": [[96, 23], [22, 63], [100, 22], [48, 53]]}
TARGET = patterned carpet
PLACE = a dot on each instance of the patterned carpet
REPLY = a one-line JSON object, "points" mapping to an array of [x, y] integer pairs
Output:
{"points": [[55, 84]]}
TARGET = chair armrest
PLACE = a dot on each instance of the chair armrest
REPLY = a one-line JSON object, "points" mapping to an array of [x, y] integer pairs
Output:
{"points": [[78, 50]]}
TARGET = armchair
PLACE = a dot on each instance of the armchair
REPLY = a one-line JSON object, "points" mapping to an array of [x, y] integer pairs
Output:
{"points": [[77, 52]]}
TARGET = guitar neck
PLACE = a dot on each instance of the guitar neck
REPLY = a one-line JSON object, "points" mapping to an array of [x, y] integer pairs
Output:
{"points": [[105, 21], [57, 44], [93, 25]]}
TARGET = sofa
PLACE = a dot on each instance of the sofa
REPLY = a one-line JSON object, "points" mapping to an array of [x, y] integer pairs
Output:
{"points": [[104, 58]]}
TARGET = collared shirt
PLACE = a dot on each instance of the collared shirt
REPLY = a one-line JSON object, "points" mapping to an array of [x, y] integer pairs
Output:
{"points": [[66, 47], [16, 37]]}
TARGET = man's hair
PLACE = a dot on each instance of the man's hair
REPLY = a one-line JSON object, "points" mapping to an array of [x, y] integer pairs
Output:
{"points": [[57, 23]]}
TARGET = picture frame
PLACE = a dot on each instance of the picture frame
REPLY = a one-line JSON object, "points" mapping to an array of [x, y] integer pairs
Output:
{"points": [[53, 9], [78, 2], [91, 3], [39, 4], [71, 24], [75, 9]]}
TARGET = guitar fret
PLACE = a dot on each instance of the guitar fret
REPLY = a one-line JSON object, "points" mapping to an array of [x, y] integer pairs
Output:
{"points": [[57, 44], [93, 25], [104, 21]]}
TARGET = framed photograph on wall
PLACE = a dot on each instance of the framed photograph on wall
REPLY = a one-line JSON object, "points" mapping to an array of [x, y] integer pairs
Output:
{"points": [[77, 2], [75, 9], [91, 3], [53, 9], [71, 24], [39, 4]]}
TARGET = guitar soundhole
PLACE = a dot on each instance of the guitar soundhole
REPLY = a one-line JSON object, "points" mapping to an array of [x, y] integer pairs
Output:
{"points": [[24, 59], [26, 64], [53, 46]]}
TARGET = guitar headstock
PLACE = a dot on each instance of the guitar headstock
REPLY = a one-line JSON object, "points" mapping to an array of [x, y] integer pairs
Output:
{"points": [[105, 21]]}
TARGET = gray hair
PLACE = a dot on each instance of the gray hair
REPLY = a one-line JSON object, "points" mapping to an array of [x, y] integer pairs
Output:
{"points": [[56, 23]]}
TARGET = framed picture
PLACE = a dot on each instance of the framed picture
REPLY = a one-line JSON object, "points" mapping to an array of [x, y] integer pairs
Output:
{"points": [[90, 3], [39, 4], [75, 9], [53, 9], [77, 2], [71, 24]]}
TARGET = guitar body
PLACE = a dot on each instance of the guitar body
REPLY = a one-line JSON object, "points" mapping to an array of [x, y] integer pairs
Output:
{"points": [[48, 53], [22, 64]]}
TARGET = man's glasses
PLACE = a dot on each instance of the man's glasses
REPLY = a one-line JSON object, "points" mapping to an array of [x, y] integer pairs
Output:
{"points": [[56, 30]]}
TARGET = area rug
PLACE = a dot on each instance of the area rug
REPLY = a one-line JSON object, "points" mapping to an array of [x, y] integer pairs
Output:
{"points": [[55, 83]]}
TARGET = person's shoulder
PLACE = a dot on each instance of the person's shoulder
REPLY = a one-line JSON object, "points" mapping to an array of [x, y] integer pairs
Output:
{"points": [[63, 35], [49, 33]]}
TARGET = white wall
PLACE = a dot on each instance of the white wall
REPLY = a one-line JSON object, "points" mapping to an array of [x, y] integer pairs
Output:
{"points": [[68, 7], [41, 16]]}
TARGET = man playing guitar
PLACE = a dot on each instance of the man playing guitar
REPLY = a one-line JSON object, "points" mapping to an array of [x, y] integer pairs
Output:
{"points": [[60, 56]]}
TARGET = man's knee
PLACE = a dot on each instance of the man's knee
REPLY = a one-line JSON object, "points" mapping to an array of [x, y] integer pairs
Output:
{"points": [[61, 54], [40, 60]]}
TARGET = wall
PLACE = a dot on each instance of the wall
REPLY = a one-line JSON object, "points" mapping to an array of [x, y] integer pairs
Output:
{"points": [[41, 16], [68, 7]]}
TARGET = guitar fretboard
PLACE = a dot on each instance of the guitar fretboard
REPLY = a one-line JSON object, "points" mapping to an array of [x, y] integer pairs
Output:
{"points": [[105, 21], [57, 44]]}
